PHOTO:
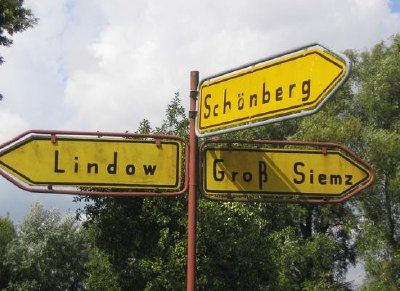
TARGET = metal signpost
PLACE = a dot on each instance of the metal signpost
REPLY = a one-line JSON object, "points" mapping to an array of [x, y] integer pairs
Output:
{"points": [[324, 172], [289, 85], [293, 84], [135, 164], [192, 203]]}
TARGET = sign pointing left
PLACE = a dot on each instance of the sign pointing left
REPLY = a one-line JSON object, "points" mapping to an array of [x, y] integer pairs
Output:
{"points": [[61, 160], [286, 86]]}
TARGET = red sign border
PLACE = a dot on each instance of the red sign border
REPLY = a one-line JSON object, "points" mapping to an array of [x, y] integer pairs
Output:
{"points": [[323, 146], [51, 190]]}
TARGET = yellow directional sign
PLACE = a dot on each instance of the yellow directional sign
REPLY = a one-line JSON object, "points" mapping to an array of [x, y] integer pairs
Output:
{"points": [[264, 171], [287, 86], [97, 162]]}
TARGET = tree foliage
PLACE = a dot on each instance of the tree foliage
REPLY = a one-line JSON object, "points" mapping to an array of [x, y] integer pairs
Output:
{"points": [[234, 248], [377, 105], [14, 17], [253, 246], [48, 253], [141, 243], [7, 234]]}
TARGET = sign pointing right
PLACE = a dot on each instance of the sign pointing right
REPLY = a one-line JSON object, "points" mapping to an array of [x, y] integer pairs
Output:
{"points": [[331, 174]]}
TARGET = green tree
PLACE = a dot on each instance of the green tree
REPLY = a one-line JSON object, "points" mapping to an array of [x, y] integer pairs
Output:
{"points": [[7, 234], [48, 253], [234, 248], [101, 276], [14, 17], [364, 116], [377, 103], [175, 121], [271, 246], [324, 233], [313, 243], [141, 241], [239, 244]]}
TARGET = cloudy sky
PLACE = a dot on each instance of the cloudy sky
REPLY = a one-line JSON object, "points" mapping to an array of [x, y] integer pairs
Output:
{"points": [[103, 65]]}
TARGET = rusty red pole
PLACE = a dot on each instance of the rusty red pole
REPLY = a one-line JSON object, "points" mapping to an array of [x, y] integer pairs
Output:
{"points": [[191, 244]]}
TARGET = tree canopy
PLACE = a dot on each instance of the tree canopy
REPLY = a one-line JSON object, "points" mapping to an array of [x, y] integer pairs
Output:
{"points": [[139, 243], [48, 252], [7, 234], [267, 246], [14, 17], [376, 103]]}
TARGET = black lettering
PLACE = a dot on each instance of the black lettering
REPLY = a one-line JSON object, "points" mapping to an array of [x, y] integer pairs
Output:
{"points": [[56, 168], [278, 94], [130, 169], [336, 180], [247, 176], [322, 179], [291, 87], [262, 174], [149, 169], [306, 89], [207, 106], [240, 101], [266, 95], [349, 179], [221, 174], [76, 165], [112, 168], [91, 166], [215, 110], [299, 173], [234, 174], [226, 103], [253, 97], [311, 176]]}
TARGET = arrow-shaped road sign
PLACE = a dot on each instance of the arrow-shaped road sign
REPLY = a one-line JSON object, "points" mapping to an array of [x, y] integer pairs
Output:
{"points": [[328, 173], [147, 163], [290, 85]]}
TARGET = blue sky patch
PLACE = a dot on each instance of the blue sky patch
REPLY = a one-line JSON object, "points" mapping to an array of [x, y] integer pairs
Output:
{"points": [[395, 5]]}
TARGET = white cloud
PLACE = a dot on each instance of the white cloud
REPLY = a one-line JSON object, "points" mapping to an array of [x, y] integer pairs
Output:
{"points": [[105, 65], [144, 50], [12, 125]]}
